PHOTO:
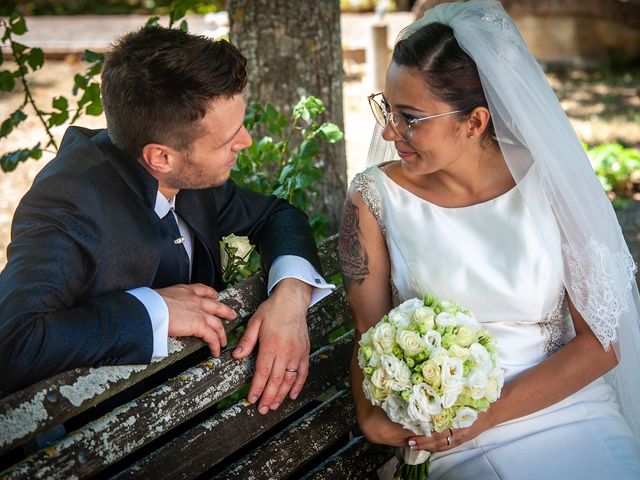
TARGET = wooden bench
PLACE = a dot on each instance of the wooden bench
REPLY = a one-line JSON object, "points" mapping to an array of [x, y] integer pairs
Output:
{"points": [[175, 418]]}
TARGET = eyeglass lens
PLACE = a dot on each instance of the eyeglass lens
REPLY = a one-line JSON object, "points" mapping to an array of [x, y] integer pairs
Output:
{"points": [[399, 124]]}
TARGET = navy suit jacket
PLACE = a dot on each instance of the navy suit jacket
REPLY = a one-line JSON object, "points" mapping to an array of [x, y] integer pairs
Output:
{"points": [[87, 231]]}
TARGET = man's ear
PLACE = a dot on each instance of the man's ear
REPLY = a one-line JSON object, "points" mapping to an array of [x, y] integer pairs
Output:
{"points": [[157, 157], [478, 122]]}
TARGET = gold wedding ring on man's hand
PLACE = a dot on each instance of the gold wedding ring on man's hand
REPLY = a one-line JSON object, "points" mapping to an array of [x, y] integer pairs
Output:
{"points": [[292, 370]]}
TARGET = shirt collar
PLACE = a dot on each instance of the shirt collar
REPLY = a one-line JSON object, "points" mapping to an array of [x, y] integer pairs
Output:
{"points": [[163, 205]]}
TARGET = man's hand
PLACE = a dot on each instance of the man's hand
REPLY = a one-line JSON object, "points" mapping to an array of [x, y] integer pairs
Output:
{"points": [[194, 311], [283, 359]]}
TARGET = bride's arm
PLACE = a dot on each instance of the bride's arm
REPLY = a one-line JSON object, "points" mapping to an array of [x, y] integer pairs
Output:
{"points": [[364, 262], [578, 363]]}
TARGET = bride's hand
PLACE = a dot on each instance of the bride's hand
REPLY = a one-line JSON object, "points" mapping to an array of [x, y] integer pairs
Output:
{"points": [[450, 438], [377, 428]]}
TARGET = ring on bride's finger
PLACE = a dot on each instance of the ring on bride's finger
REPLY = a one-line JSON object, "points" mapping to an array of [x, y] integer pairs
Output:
{"points": [[292, 370], [448, 441]]}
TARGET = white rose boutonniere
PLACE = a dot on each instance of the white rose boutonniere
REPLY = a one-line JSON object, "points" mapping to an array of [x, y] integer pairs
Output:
{"points": [[235, 253]]}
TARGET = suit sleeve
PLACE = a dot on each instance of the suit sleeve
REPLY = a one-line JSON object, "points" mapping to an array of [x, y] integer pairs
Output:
{"points": [[274, 225], [51, 316]]}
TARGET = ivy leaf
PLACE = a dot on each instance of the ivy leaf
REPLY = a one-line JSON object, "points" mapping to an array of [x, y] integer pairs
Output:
{"points": [[60, 103], [10, 123], [96, 59], [57, 118], [18, 24], [303, 181], [179, 9], [309, 148], [79, 82], [95, 108], [7, 82], [95, 104], [36, 58], [153, 22], [286, 171], [91, 56], [330, 132], [10, 160], [18, 48], [184, 26]]}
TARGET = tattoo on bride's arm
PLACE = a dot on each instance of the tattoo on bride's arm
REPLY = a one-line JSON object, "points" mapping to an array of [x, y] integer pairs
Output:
{"points": [[354, 261]]}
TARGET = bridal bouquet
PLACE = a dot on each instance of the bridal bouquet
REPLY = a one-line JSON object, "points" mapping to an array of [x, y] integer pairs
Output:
{"points": [[430, 366]]}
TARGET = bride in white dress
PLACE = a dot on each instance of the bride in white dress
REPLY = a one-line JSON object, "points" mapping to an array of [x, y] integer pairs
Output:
{"points": [[493, 205]]}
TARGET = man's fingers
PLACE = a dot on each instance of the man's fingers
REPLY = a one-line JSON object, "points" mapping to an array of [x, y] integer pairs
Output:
{"points": [[264, 366], [203, 291], [211, 339], [290, 379], [216, 325], [279, 380], [301, 377], [220, 310], [248, 342]]}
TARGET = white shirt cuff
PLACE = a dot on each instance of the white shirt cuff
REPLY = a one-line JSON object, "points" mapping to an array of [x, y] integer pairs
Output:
{"points": [[292, 266], [159, 315]]}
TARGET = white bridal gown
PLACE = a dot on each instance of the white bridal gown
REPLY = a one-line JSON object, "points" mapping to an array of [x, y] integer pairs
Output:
{"points": [[489, 258]]}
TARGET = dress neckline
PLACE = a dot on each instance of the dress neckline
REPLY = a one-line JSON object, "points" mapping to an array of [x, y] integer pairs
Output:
{"points": [[506, 194]]}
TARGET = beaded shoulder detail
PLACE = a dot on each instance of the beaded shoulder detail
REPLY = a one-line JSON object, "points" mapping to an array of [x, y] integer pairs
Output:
{"points": [[365, 184]]}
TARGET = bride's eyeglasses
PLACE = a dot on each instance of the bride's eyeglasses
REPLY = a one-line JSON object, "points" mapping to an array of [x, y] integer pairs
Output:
{"points": [[400, 124]]}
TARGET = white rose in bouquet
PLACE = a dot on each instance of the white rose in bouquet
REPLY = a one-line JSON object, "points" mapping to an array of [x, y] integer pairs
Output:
{"points": [[430, 365]]}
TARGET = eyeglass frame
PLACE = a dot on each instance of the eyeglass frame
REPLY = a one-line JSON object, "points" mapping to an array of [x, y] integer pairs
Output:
{"points": [[409, 122]]}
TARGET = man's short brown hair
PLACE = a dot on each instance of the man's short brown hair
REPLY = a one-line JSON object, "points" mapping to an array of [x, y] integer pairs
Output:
{"points": [[159, 82]]}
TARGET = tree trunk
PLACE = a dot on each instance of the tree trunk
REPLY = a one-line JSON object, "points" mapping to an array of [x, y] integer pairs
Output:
{"points": [[293, 48]]}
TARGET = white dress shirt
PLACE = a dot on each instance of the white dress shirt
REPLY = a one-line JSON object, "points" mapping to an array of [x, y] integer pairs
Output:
{"points": [[284, 266]]}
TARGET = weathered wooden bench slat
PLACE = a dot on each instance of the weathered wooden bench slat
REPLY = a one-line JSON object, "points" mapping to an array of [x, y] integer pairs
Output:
{"points": [[127, 428], [25, 417], [239, 424], [33, 410], [299, 442], [355, 460]]}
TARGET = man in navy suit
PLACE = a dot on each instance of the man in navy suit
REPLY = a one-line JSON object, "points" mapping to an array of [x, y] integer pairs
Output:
{"points": [[115, 246]]}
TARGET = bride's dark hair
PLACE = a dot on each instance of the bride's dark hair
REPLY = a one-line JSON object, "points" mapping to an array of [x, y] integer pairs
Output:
{"points": [[450, 74]]}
